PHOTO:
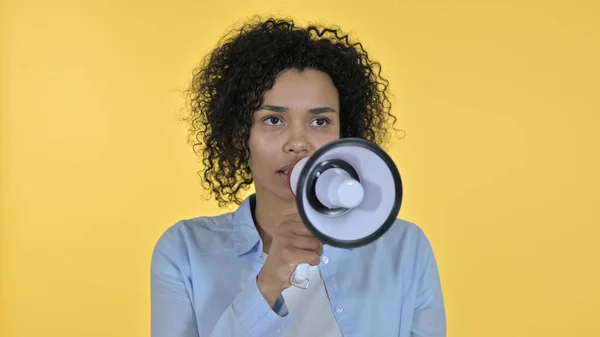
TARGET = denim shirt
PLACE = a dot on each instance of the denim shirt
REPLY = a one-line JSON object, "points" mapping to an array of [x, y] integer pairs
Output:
{"points": [[203, 283]]}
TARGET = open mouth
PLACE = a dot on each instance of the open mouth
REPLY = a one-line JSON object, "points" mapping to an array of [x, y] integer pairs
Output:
{"points": [[284, 174], [285, 170]]}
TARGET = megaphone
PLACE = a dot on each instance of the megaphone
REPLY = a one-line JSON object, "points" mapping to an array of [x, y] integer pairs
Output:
{"points": [[348, 194]]}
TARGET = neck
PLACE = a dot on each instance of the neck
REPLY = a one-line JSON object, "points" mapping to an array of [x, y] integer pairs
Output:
{"points": [[268, 214]]}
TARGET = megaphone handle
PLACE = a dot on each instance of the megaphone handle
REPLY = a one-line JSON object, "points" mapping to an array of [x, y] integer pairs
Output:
{"points": [[300, 276]]}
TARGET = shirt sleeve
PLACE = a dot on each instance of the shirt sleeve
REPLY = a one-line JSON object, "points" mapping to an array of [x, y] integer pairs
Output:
{"points": [[429, 318], [172, 311]]}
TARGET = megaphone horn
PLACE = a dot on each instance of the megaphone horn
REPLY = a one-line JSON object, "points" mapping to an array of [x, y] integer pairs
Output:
{"points": [[348, 194]]}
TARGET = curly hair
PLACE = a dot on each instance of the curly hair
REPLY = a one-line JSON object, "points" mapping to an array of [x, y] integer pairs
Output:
{"points": [[229, 84]]}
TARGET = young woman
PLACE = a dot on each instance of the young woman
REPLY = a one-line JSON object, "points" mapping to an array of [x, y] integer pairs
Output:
{"points": [[269, 94]]}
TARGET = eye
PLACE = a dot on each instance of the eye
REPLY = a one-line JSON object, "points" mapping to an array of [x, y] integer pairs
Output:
{"points": [[320, 122], [272, 120]]}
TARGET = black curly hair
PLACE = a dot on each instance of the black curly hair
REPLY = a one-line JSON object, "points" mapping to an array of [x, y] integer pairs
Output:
{"points": [[229, 84]]}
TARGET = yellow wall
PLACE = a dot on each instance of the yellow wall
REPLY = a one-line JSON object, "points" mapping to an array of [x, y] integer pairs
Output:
{"points": [[500, 105]]}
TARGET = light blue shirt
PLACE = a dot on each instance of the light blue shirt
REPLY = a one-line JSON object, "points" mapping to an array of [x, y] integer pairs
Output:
{"points": [[203, 281]]}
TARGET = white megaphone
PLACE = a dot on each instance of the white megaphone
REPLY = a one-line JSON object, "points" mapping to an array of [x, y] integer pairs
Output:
{"points": [[348, 194]]}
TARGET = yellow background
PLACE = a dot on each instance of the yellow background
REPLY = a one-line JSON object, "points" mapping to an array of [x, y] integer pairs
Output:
{"points": [[499, 101]]}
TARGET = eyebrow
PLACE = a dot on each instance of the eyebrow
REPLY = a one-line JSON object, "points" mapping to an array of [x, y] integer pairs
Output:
{"points": [[278, 108]]}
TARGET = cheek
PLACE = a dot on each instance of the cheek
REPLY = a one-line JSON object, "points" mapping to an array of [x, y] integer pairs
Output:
{"points": [[262, 148], [328, 137]]}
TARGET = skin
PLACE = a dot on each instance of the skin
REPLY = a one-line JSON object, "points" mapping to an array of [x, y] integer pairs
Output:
{"points": [[299, 114]]}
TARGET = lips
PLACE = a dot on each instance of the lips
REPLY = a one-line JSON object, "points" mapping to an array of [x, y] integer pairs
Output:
{"points": [[285, 173], [285, 170]]}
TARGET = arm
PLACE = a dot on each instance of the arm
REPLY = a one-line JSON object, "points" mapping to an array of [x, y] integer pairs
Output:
{"points": [[430, 316], [172, 311]]}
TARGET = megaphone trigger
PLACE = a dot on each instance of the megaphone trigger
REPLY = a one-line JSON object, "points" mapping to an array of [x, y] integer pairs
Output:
{"points": [[299, 277]]}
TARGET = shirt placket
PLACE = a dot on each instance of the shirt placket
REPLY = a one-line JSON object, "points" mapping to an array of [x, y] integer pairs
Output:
{"points": [[342, 313]]}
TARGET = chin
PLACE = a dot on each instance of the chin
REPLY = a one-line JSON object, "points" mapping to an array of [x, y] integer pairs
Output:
{"points": [[283, 193], [287, 196], [277, 191]]}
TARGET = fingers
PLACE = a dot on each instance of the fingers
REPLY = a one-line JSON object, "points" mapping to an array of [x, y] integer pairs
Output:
{"points": [[295, 256], [293, 223], [298, 241], [301, 230], [309, 243]]}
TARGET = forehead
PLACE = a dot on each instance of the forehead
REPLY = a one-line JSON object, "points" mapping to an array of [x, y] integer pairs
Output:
{"points": [[302, 89]]}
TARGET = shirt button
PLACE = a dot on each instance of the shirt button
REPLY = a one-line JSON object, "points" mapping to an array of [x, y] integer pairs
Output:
{"points": [[339, 309], [325, 259]]}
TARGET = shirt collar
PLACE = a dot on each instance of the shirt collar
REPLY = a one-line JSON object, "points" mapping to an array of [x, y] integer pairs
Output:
{"points": [[245, 234]]}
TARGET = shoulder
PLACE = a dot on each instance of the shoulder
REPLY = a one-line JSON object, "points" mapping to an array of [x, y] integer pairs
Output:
{"points": [[406, 233], [199, 235], [406, 241]]}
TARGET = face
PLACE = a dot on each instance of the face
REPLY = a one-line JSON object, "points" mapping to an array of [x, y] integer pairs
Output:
{"points": [[299, 114]]}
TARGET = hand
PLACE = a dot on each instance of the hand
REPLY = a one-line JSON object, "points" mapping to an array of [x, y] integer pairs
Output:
{"points": [[292, 244]]}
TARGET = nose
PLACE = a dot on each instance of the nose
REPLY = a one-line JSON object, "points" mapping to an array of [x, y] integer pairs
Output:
{"points": [[297, 143]]}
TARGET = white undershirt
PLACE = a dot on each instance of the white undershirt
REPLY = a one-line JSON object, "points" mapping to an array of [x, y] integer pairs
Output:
{"points": [[310, 309]]}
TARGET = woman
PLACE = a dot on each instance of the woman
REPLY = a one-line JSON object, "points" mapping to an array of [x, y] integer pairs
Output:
{"points": [[269, 94]]}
